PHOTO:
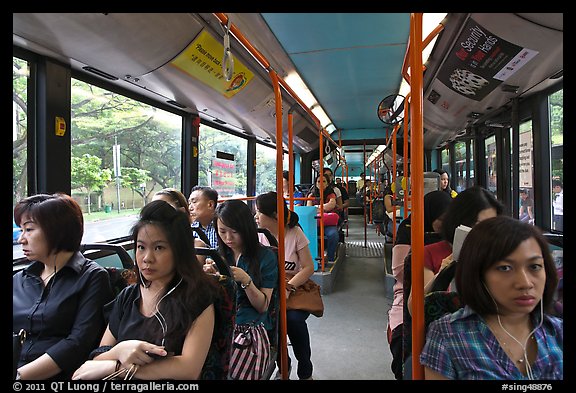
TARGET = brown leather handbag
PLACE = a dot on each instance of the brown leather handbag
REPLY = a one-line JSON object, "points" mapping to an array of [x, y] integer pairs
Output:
{"points": [[306, 297]]}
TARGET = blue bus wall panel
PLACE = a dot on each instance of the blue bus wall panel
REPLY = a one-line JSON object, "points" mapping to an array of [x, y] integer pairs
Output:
{"points": [[309, 225]]}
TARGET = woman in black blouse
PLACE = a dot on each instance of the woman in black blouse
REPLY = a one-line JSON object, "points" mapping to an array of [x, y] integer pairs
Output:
{"points": [[58, 299], [162, 326]]}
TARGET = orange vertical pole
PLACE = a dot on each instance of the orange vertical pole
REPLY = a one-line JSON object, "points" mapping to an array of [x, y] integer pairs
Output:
{"points": [[281, 225], [406, 156], [417, 166], [290, 161], [394, 176]]}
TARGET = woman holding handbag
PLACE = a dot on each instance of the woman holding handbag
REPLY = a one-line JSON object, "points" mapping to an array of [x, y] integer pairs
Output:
{"points": [[330, 227], [299, 268]]}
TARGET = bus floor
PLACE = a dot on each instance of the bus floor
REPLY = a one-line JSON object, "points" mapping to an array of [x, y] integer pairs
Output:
{"points": [[349, 341]]}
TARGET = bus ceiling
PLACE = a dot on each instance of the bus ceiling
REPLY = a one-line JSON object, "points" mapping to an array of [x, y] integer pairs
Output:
{"points": [[346, 60]]}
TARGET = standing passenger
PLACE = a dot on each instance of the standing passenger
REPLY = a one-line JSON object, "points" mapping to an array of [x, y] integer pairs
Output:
{"points": [[506, 280], [558, 205], [59, 298], [162, 326], [255, 268], [299, 268]]}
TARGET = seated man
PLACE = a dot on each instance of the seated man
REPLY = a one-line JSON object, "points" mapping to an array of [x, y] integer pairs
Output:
{"points": [[202, 203]]}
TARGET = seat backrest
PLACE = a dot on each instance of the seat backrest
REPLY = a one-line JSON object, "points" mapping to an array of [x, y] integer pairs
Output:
{"points": [[438, 304], [217, 361], [271, 239], [120, 277], [274, 332], [429, 238], [201, 235]]}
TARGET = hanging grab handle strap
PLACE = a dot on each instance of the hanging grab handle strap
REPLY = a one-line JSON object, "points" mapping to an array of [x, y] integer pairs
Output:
{"points": [[227, 60]]}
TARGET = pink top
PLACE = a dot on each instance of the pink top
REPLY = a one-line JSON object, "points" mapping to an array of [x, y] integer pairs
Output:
{"points": [[294, 241], [396, 313]]}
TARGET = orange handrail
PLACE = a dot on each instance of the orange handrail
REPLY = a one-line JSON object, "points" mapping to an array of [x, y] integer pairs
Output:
{"points": [[406, 155]]}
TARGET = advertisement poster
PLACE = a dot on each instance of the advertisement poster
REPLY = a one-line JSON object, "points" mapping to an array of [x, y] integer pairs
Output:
{"points": [[223, 175], [202, 59], [480, 61]]}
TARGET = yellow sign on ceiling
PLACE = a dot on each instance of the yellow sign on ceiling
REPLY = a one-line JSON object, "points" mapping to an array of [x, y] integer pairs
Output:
{"points": [[203, 60]]}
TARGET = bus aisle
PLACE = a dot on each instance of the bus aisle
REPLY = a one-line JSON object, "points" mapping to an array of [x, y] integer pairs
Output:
{"points": [[349, 341]]}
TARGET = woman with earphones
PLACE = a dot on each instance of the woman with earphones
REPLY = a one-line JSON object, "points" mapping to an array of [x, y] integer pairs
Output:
{"points": [[162, 326], [59, 298], [506, 280]]}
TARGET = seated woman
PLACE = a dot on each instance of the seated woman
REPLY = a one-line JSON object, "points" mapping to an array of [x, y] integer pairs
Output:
{"points": [[468, 208], [161, 327], [435, 204], [329, 205], [506, 280], [255, 268], [298, 266], [59, 299]]}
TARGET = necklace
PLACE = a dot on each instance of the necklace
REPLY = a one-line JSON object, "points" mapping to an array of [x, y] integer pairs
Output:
{"points": [[45, 280]]}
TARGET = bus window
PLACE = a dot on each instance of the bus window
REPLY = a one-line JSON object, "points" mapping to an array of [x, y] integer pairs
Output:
{"points": [[20, 74], [114, 169], [556, 109], [266, 159], [461, 170], [490, 149], [446, 162], [526, 204], [226, 173]]}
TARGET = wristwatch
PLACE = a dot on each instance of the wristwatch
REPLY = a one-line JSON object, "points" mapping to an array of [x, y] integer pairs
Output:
{"points": [[244, 286]]}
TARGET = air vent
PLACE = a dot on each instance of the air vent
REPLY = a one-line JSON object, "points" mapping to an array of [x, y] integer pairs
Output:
{"points": [[557, 75], [218, 121], [308, 135], [100, 73], [510, 88], [171, 102]]}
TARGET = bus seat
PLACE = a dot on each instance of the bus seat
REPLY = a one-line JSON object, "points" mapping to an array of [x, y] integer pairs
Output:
{"points": [[271, 239], [217, 361], [309, 226], [202, 235], [274, 332], [438, 304], [106, 254]]}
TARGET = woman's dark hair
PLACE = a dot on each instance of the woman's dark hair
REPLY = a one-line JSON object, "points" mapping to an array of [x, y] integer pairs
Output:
{"points": [[489, 242], [448, 189], [59, 216], [464, 210], [266, 204], [196, 290], [435, 204], [237, 215]]}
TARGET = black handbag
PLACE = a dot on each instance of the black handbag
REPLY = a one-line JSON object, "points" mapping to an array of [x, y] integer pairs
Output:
{"points": [[17, 341]]}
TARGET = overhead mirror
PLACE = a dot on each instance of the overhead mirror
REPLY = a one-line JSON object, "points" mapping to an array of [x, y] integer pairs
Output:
{"points": [[391, 109]]}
